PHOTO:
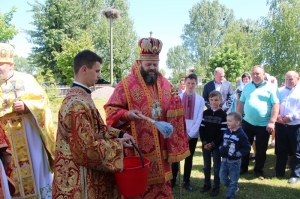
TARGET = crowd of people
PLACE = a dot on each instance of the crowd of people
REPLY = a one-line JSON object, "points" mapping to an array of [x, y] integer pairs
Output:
{"points": [[84, 152]]}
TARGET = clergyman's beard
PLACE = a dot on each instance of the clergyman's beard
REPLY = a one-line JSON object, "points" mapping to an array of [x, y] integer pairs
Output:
{"points": [[149, 79]]}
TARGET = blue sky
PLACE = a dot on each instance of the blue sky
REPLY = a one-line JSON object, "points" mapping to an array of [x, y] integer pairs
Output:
{"points": [[165, 18]]}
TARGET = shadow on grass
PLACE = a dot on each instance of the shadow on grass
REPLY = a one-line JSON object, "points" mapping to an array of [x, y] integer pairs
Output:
{"points": [[250, 187]]}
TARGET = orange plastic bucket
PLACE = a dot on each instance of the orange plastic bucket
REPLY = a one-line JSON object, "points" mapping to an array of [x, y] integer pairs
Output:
{"points": [[132, 181]]}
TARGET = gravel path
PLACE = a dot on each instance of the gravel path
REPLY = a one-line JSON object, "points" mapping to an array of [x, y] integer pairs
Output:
{"points": [[103, 92]]}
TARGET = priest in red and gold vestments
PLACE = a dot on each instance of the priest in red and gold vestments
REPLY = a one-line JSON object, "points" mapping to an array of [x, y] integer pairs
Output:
{"points": [[7, 187], [87, 152], [146, 91], [26, 117]]}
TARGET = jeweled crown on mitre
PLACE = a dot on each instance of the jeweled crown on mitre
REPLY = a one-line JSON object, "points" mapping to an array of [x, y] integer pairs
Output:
{"points": [[149, 48], [6, 53]]}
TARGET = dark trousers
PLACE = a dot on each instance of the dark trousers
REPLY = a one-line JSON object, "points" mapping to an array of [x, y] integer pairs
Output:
{"points": [[287, 143], [262, 139], [188, 163], [207, 156]]}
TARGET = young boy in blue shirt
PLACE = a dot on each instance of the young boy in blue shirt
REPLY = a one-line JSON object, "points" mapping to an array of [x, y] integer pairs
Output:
{"points": [[235, 145], [211, 133]]}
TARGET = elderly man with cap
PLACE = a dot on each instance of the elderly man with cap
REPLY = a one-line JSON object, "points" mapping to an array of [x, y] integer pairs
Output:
{"points": [[26, 117], [145, 91]]}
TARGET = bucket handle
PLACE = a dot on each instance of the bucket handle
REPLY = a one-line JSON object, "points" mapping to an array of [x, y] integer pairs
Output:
{"points": [[138, 150]]}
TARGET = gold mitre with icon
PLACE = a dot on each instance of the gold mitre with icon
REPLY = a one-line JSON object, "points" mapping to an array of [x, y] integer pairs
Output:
{"points": [[149, 48], [6, 53]]}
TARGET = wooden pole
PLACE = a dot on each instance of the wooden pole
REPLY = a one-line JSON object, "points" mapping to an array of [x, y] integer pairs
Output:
{"points": [[111, 54]]}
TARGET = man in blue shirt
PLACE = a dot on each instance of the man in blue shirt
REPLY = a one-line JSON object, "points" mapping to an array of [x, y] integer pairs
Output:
{"points": [[260, 104]]}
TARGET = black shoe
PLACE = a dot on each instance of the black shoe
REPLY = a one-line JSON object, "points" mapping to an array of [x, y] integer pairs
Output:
{"points": [[275, 175], [214, 192], [293, 180], [205, 188], [242, 171], [188, 186], [260, 175]]}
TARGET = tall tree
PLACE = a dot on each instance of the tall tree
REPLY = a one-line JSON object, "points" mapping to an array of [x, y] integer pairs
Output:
{"points": [[70, 48], [56, 21], [179, 61], [208, 22], [244, 35], [7, 30], [281, 37], [228, 57], [21, 64]]}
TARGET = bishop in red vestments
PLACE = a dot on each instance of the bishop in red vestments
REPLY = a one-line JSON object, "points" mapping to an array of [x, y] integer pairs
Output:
{"points": [[145, 91]]}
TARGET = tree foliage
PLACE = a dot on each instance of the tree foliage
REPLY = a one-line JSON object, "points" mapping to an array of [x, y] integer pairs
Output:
{"points": [[281, 37], [163, 71], [228, 57], [70, 48], [244, 36], [44, 77], [7, 30], [21, 64], [208, 22], [57, 21], [179, 61]]}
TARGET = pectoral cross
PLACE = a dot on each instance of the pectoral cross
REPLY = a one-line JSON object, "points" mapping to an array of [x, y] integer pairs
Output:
{"points": [[14, 89]]}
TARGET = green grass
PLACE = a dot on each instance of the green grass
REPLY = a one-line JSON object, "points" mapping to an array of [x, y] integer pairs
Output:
{"points": [[250, 187], [56, 103]]}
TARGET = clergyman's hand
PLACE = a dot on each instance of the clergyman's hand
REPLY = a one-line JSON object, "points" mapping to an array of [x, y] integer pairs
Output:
{"points": [[128, 136], [131, 115], [19, 106], [126, 142]]}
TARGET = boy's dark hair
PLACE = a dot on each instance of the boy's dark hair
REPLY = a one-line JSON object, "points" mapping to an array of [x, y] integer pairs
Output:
{"points": [[192, 76], [236, 116], [214, 94], [87, 58]]}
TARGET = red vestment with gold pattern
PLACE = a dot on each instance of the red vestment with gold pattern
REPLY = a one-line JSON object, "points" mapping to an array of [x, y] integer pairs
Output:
{"points": [[133, 94], [5, 147], [87, 153]]}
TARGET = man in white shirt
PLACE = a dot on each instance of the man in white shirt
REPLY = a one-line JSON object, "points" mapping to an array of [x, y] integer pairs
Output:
{"points": [[194, 107], [288, 128]]}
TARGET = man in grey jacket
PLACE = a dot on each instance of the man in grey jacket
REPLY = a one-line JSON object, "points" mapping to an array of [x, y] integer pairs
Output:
{"points": [[224, 87]]}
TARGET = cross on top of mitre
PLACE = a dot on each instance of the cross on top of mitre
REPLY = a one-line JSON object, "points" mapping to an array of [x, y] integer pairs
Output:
{"points": [[151, 33]]}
